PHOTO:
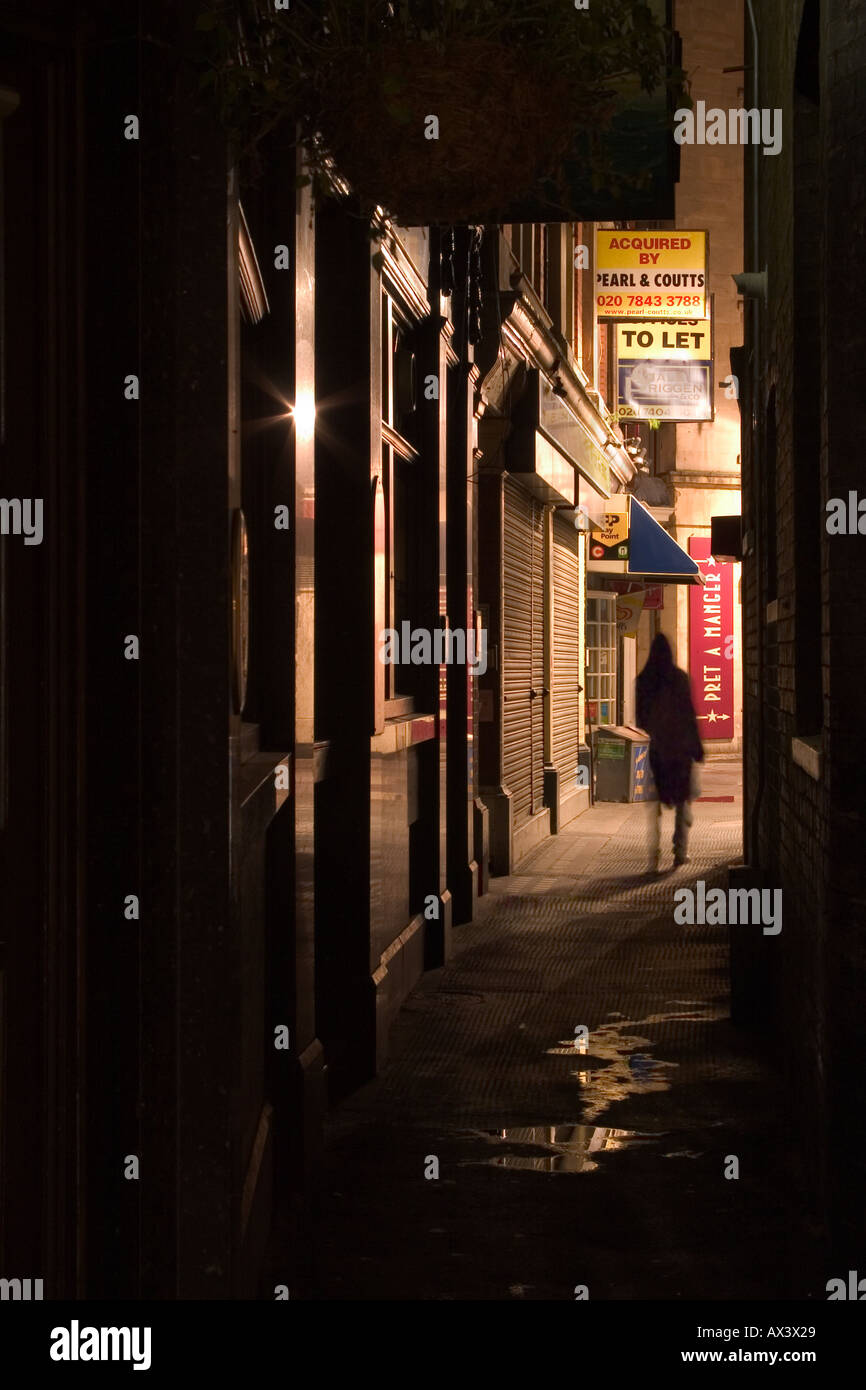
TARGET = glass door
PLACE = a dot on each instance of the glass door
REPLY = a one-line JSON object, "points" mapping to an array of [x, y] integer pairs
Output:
{"points": [[601, 639]]}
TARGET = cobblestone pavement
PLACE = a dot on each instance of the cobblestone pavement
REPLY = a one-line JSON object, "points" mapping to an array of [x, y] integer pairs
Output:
{"points": [[557, 1167]]}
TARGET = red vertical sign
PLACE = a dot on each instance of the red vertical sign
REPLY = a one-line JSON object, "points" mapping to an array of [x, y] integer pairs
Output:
{"points": [[711, 643]]}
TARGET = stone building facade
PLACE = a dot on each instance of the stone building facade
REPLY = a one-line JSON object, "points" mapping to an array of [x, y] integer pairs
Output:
{"points": [[701, 461]]}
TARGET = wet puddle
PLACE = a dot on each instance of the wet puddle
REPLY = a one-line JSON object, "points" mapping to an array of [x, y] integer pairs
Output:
{"points": [[614, 1063], [567, 1148]]}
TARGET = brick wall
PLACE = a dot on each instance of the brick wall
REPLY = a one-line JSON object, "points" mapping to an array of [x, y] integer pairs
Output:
{"points": [[810, 351]]}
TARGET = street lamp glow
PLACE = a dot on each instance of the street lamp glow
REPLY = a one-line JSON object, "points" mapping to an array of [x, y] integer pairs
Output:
{"points": [[303, 412]]}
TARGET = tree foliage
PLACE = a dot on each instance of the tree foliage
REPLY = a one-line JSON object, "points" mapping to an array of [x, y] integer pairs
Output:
{"points": [[322, 66]]}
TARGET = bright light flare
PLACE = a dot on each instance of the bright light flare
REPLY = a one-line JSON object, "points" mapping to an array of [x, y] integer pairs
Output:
{"points": [[303, 412]]}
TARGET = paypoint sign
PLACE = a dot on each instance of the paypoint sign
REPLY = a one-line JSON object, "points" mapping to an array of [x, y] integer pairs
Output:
{"points": [[650, 275], [612, 542]]}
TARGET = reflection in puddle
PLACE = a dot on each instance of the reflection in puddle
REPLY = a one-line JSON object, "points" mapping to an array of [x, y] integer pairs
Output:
{"points": [[616, 1064], [569, 1148]]}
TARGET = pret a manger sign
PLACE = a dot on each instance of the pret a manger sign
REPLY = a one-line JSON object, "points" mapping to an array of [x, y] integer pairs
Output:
{"points": [[650, 275], [711, 643]]}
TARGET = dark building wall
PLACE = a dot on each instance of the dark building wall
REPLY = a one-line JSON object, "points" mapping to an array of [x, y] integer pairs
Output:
{"points": [[42, 606], [466, 868], [140, 778], [344, 545], [280, 1090], [380, 789], [782, 801], [843, 37], [166, 990], [804, 630]]}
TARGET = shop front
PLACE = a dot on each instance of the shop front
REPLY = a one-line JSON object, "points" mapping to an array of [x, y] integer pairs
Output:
{"points": [[548, 493], [632, 561]]}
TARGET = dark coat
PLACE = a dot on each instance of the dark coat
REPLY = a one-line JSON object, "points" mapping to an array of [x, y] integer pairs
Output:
{"points": [[665, 710]]}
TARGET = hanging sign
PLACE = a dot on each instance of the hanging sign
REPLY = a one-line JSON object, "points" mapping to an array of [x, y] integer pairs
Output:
{"points": [[562, 427], [612, 542], [628, 610], [650, 275], [711, 643], [664, 370], [654, 594]]}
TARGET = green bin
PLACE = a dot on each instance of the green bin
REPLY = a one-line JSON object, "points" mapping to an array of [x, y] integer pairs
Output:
{"points": [[622, 770]]}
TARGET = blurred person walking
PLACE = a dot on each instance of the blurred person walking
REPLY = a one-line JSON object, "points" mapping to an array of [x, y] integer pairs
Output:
{"points": [[666, 712]]}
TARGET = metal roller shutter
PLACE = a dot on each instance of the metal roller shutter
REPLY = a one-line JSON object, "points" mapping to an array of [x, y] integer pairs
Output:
{"points": [[565, 696], [523, 651], [537, 704]]}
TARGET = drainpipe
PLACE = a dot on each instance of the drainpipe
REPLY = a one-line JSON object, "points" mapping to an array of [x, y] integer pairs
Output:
{"points": [[761, 520]]}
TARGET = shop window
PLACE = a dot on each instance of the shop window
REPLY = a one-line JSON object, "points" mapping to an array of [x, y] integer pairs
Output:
{"points": [[251, 527], [416, 243], [539, 262], [601, 643], [400, 467]]}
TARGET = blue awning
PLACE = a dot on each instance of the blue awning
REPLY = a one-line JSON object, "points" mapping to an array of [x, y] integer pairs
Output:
{"points": [[655, 555]]}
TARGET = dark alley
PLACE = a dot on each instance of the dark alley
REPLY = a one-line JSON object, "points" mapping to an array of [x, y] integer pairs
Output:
{"points": [[432, 654], [556, 1167]]}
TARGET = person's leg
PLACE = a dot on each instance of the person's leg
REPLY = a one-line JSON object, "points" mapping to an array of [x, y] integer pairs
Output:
{"points": [[681, 832], [655, 835]]}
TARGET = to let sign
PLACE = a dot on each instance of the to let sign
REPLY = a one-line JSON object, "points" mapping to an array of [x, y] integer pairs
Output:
{"points": [[711, 643], [665, 370]]}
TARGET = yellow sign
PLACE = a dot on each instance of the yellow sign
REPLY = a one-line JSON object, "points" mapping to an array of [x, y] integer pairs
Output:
{"points": [[650, 275], [680, 340], [612, 542], [628, 610]]}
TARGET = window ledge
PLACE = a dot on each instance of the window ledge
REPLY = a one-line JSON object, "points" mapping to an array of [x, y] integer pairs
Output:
{"points": [[808, 753], [400, 707], [403, 733]]}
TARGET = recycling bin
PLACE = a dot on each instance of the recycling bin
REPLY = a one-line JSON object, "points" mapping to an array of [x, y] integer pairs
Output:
{"points": [[622, 769], [584, 766]]}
